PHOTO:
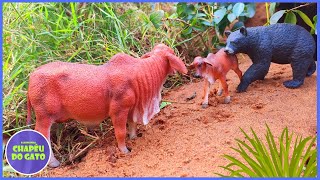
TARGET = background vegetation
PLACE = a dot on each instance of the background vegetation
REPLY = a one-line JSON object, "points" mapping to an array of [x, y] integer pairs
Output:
{"points": [[38, 33]]}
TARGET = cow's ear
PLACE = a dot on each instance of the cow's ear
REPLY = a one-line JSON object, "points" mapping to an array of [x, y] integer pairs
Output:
{"points": [[243, 30], [227, 33], [176, 63]]}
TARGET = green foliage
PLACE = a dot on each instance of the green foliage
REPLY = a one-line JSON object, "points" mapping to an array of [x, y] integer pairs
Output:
{"points": [[155, 18], [290, 17], [38, 33], [164, 104], [276, 16], [201, 17], [283, 160]]}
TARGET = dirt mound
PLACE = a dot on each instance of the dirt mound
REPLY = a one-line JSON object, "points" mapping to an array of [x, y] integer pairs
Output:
{"points": [[185, 140]]}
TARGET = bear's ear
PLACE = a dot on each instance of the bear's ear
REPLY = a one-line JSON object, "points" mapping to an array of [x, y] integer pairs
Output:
{"points": [[227, 33], [243, 30]]}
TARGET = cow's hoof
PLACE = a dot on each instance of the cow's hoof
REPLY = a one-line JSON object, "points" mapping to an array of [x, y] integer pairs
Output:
{"points": [[125, 150], [227, 100], [133, 136], [219, 93], [205, 105], [53, 163]]}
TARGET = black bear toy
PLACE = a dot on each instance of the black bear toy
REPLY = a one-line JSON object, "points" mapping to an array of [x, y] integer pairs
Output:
{"points": [[279, 43]]}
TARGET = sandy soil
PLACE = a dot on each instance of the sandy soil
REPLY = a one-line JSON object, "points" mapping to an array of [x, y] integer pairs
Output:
{"points": [[185, 140]]}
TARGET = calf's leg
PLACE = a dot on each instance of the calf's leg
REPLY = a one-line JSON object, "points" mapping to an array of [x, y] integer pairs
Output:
{"points": [[206, 94], [219, 93], [225, 89]]}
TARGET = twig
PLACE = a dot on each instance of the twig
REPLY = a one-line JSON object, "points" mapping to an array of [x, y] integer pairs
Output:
{"points": [[82, 151], [303, 5], [177, 19], [86, 134], [177, 102]]}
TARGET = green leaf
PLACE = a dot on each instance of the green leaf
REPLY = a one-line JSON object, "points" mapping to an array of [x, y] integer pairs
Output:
{"points": [[190, 9], [290, 18], [201, 15], [305, 18], [222, 25], [231, 17], [187, 31], [245, 168], [276, 16], [207, 23], [229, 7], [251, 10], [272, 8], [238, 9], [181, 8], [219, 14], [155, 18], [164, 104], [199, 28]]}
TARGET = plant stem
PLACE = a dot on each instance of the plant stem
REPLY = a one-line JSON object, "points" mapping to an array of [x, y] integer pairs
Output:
{"points": [[177, 19], [205, 44], [303, 5], [267, 12]]}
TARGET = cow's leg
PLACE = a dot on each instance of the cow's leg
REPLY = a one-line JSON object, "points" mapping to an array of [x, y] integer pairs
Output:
{"points": [[43, 125], [119, 119]]}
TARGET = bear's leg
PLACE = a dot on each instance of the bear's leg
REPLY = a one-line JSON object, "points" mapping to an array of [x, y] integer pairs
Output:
{"points": [[256, 71], [299, 69], [311, 69]]}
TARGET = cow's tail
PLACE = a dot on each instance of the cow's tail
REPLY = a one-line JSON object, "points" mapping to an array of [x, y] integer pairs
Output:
{"points": [[29, 108]]}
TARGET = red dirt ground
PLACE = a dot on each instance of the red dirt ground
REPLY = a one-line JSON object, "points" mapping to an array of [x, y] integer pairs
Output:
{"points": [[184, 140]]}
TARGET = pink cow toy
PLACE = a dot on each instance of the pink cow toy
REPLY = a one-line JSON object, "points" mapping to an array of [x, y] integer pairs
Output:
{"points": [[126, 89]]}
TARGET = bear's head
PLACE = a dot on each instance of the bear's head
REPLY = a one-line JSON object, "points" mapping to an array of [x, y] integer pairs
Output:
{"points": [[237, 41]]}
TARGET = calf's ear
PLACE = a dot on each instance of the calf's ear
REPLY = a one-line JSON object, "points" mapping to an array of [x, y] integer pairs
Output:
{"points": [[176, 63], [205, 60]]}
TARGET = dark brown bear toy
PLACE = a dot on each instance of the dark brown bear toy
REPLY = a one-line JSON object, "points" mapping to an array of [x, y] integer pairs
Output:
{"points": [[279, 43]]}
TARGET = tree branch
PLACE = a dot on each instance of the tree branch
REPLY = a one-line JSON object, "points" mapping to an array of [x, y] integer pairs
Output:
{"points": [[302, 5]]}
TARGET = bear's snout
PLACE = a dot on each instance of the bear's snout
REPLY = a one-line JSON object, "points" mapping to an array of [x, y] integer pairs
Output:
{"points": [[229, 51]]}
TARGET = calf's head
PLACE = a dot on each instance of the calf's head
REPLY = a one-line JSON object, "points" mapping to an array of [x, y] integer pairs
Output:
{"points": [[200, 65]]}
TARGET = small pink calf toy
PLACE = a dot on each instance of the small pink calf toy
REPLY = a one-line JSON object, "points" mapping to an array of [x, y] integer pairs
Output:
{"points": [[215, 67], [127, 89]]}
